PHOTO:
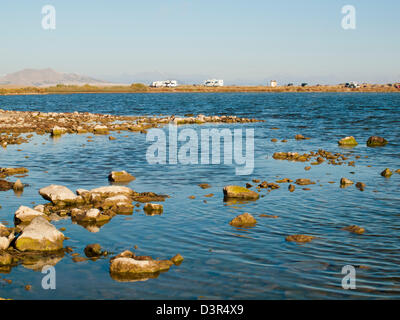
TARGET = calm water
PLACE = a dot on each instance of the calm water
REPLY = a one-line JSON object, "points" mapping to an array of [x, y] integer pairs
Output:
{"points": [[222, 261]]}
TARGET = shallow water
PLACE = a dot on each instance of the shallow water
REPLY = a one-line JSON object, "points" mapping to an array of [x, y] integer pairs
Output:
{"points": [[222, 261]]}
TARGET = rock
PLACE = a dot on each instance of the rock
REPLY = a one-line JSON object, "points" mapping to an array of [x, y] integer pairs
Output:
{"points": [[355, 229], [204, 185], [93, 250], [398, 171], [153, 208], [307, 168], [361, 186], [386, 173], [375, 141], [177, 259], [26, 214], [291, 188], [13, 171], [345, 181], [300, 238], [120, 176], [5, 237], [5, 185], [131, 267], [238, 192], [99, 129], [348, 141], [300, 137], [243, 220], [119, 204], [5, 259], [18, 186], [40, 235], [58, 195], [58, 131], [92, 215], [110, 191], [304, 182]]}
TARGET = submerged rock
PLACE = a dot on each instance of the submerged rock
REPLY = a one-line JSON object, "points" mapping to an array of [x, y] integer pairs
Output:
{"points": [[153, 208], [120, 176], [240, 193], [58, 194], [93, 250], [291, 187], [354, 229], [13, 171], [5, 185], [348, 141], [376, 141], [361, 186], [304, 182], [177, 259], [204, 185], [300, 238], [5, 259], [40, 235], [386, 173], [243, 220]]}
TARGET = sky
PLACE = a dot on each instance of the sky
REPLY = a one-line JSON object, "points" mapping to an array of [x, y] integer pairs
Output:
{"points": [[242, 42]]}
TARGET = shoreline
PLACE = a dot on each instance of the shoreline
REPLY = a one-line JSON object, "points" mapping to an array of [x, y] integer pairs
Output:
{"points": [[135, 88]]}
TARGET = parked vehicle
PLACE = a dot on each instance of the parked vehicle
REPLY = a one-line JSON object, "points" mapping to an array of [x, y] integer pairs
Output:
{"points": [[165, 83], [214, 83]]}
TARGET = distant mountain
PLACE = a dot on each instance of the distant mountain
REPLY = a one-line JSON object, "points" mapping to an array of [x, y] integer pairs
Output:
{"points": [[46, 77]]}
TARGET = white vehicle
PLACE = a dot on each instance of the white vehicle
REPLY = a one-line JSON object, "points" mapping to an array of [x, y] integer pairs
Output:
{"points": [[352, 84], [214, 83], [273, 83], [163, 84]]}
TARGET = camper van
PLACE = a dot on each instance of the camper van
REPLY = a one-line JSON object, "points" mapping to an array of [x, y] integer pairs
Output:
{"points": [[214, 83], [163, 84]]}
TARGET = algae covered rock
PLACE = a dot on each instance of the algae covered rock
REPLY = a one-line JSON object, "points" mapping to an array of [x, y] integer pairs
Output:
{"points": [[120, 176], [58, 131], [93, 250], [58, 194], [299, 238], [153, 208], [99, 129], [376, 141], [243, 220], [239, 192], [386, 173], [40, 235], [354, 229], [348, 141]]}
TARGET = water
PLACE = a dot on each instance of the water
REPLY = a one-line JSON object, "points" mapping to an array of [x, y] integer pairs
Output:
{"points": [[222, 261]]}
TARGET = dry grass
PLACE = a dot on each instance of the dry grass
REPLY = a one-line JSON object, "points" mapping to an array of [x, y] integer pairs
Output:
{"points": [[138, 87]]}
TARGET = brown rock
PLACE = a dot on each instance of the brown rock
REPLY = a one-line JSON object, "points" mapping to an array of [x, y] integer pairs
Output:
{"points": [[243, 220], [300, 238]]}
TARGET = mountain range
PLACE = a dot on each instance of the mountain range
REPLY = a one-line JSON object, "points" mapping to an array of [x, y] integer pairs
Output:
{"points": [[46, 77]]}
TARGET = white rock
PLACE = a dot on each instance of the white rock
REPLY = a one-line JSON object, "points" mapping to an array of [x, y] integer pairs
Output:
{"points": [[93, 213], [26, 214], [40, 235], [56, 193], [110, 191]]}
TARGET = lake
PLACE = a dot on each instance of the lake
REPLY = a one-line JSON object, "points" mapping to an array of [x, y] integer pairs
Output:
{"points": [[223, 262]]}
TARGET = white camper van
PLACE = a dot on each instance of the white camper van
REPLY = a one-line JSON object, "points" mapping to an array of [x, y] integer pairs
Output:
{"points": [[163, 84], [214, 83]]}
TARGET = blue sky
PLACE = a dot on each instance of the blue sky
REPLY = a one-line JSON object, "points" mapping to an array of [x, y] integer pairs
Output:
{"points": [[240, 41]]}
